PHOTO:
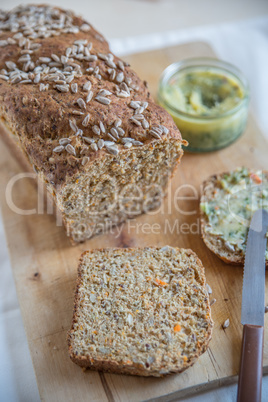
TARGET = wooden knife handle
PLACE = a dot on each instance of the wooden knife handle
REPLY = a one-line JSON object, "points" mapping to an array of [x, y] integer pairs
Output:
{"points": [[250, 375]]}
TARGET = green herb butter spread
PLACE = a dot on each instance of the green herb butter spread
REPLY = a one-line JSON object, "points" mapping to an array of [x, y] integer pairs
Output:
{"points": [[203, 92], [229, 210], [208, 100]]}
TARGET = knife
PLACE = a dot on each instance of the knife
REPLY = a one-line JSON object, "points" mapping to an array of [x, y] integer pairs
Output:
{"points": [[252, 315]]}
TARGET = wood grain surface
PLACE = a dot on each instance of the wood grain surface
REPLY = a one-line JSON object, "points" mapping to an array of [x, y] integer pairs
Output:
{"points": [[44, 266]]}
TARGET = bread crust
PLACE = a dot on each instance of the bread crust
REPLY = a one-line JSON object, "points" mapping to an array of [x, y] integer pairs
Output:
{"points": [[113, 366], [39, 120], [229, 257]]}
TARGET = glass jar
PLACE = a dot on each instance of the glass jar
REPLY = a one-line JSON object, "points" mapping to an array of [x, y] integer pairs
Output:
{"points": [[208, 100]]}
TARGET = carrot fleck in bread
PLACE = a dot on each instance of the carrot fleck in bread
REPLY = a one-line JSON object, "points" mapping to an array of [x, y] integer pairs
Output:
{"points": [[140, 311], [84, 119], [227, 203]]}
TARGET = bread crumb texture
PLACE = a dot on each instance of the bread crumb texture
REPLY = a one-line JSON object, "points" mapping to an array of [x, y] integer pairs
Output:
{"points": [[140, 311]]}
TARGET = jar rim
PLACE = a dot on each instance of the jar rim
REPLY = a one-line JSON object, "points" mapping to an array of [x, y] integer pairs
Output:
{"points": [[206, 62]]}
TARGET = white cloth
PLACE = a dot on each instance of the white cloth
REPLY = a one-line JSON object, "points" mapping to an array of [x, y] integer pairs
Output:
{"points": [[244, 44]]}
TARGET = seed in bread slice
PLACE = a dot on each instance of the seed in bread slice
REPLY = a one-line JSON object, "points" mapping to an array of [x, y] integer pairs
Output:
{"points": [[228, 202], [140, 311]]}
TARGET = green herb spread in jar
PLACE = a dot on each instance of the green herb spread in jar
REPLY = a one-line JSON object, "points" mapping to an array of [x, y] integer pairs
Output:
{"points": [[208, 101]]}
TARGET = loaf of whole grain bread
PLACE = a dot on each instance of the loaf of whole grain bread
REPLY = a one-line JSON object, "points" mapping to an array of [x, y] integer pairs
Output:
{"points": [[85, 121], [140, 311]]}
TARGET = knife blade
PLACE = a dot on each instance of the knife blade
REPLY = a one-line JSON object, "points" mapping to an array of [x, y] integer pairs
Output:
{"points": [[252, 311], [253, 293]]}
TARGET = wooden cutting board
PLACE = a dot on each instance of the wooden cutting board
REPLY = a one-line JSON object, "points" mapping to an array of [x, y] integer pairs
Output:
{"points": [[44, 267]]}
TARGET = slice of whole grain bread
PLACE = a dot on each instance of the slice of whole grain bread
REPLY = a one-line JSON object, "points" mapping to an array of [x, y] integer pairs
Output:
{"points": [[230, 255], [140, 311]]}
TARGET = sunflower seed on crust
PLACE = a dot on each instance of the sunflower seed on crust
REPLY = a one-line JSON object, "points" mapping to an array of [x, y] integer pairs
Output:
{"points": [[87, 86], [104, 92], [134, 104], [88, 140], [112, 75], [24, 58], [80, 42], [89, 96], [120, 77], [137, 143], [11, 65], [122, 94], [73, 125], [113, 150], [117, 123], [102, 127], [45, 60], [121, 65], [96, 130], [114, 132], [158, 130], [154, 134], [11, 41], [137, 122], [165, 129], [4, 77], [111, 137], [26, 82], [55, 58], [100, 144], [128, 80], [145, 124], [69, 79], [86, 120], [127, 139], [124, 87], [145, 105], [120, 131], [128, 145], [58, 149], [103, 100], [85, 160], [140, 110], [37, 78], [109, 143], [110, 63], [64, 141], [94, 146], [79, 133], [103, 56], [81, 103], [139, 116], [85, 27], [78, 112], [68, 51], [91, 58], [62, 88], [70, 149]]}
